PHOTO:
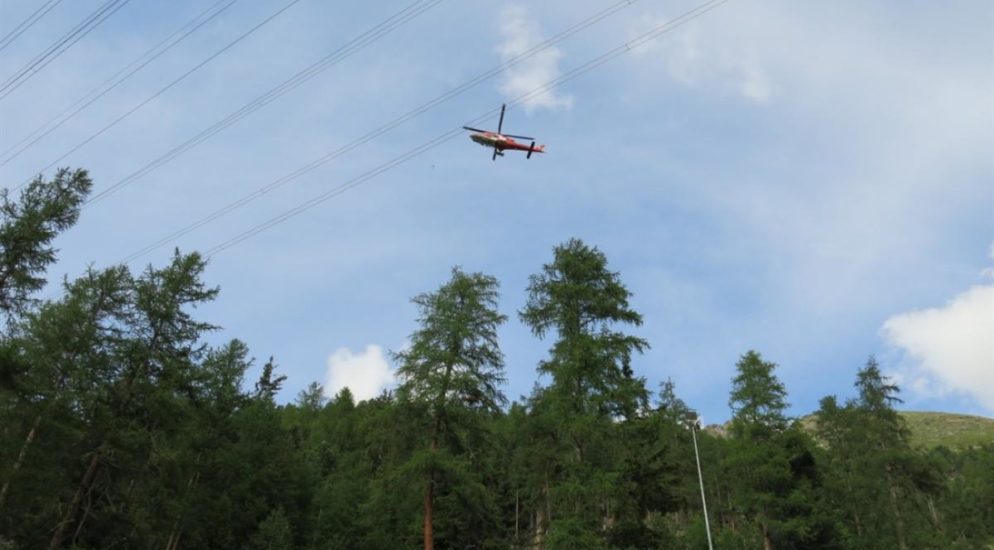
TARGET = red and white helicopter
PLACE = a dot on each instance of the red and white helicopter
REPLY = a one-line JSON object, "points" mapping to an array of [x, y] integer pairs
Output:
{"points": [[503, 142]]}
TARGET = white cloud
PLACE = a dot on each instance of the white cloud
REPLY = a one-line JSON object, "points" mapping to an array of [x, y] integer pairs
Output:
{"points": [[688, 60], [366, 373], [989, 272], [888, 137], [520, 33], [952, 347]]}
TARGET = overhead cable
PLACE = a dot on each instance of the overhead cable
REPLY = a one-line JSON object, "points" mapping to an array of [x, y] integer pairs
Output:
{"points": [[640, 40], [353, 46], [116, 79], [27, 23], [163, 90], [55, 50], [417, 111], [455, 132]]}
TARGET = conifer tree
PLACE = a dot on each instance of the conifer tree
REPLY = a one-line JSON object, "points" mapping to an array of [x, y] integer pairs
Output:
{"points": [[771, 468], [886, 490], [578, 299], [28, 226], [453, 368]]}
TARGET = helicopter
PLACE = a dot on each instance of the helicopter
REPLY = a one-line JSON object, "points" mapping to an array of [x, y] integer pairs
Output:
{"points": [[503, 142]]}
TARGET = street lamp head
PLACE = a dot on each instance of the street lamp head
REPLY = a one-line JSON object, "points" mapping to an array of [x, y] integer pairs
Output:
{"points": [[692, 420]]}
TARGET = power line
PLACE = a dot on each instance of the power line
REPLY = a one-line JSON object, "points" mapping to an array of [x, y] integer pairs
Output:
{"points": [[60, 46], [380, 30], [570, 75], [106, 86], [27, 23], [417, 111], [164, 89], [451, 134], [54, 51]]}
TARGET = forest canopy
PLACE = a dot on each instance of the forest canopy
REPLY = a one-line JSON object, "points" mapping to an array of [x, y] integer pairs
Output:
{"points": [[122, 428]]}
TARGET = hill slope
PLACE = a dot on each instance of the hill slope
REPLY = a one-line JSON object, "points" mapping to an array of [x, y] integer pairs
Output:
{"points": [[956, 431], [931, 429]]}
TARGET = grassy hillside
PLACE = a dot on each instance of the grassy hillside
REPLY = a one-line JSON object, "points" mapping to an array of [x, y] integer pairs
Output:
{"points": [[931, 429], [957, 431]]}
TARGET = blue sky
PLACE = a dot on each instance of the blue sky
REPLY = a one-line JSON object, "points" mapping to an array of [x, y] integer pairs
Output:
{"points": [[813, 181]]}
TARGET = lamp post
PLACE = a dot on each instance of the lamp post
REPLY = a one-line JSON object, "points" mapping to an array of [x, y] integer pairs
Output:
{"points": [[694, 423]]}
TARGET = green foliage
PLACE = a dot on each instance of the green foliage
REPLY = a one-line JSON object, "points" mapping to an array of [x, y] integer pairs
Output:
{"points": [[758, 399], [122, 428], [312, 398], [275, 533], [454, 359], [882, 490], [572, 533], [28, 226], [773, 473], [581, 300], [956, 431], [585, 481], [967, 504], [453, 370], [268, 385]]}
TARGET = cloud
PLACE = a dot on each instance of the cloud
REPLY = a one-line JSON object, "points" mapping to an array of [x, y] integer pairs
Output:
{"points": [[366, 373], [698, 63], [989, 272], [952, 347], [888, 141], [520, 33]]}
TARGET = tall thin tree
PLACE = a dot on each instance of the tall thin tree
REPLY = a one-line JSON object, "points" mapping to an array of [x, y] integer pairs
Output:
{"points": [[453, 364]]}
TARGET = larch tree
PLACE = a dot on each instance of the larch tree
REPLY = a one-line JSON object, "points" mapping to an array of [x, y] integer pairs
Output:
{"points": [[582, 302], [886, 490], [771, 468], [453, 366], [27, 228], [28, 225]]}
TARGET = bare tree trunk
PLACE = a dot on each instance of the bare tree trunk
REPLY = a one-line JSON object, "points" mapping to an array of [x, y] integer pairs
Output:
{"points": [[429, 537], [898, 520], [82, 520], [20, 459], [174, 533], [516, 512], [767, 543], [539, 537], [77, 499], [855, 514], [429, 541], [933, 512], [548, 500]]}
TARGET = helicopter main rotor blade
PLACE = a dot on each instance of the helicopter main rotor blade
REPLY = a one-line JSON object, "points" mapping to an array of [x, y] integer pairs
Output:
{"points": [[473, 129], [495, 154], [501, 123]]}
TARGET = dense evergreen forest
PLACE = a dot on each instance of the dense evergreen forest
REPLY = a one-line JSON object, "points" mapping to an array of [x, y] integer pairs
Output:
{"points": [[122, 429]]}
